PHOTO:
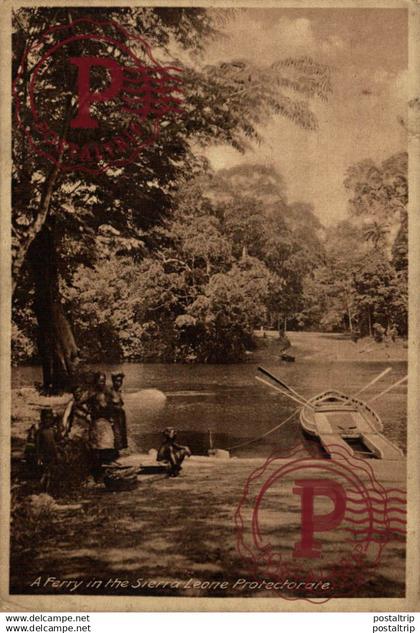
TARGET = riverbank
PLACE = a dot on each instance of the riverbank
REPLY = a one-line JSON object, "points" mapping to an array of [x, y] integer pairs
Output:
{"points": [[330, 347], [175, 530]]}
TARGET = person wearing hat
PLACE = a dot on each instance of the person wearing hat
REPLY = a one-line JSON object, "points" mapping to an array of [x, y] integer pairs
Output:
{"points": [[118, 417], [172, 452]]}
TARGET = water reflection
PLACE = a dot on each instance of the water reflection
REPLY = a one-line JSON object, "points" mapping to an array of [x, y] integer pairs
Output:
{"points": [[229, 401]]}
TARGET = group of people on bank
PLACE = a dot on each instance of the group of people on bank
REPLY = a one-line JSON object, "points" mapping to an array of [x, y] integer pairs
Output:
{"points": [[95, 422], [98, 417], [91, 432]]}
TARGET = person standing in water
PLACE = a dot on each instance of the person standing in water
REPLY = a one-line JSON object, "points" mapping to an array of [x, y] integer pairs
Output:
{"points": [[118, 417]]}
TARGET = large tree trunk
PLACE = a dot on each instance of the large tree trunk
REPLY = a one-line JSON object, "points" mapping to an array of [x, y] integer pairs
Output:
{"points": [[39, 222], [56, 344], [41, 219]]}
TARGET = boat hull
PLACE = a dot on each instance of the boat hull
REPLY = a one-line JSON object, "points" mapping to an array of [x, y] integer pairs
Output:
{"points": [[338, 421]]}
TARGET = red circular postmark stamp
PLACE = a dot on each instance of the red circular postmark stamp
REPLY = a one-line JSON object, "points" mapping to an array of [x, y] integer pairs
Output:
{"points": [[90, 95], [314, 528]]}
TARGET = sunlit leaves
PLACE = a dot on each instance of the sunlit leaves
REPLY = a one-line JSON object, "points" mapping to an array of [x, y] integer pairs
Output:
{"points": [[379, 191]]}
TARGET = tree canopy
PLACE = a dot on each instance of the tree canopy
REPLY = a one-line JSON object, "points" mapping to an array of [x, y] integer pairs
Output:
{"points": [[364, 278], [164, 258], [62, 218]]}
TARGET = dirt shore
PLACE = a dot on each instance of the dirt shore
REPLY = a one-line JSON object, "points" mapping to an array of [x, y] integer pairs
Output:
{"points": [[333, 347], [185, 530], [174, 530]]}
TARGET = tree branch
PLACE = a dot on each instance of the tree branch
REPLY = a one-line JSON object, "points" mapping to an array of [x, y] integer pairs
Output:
{"points": [[45, 206]]}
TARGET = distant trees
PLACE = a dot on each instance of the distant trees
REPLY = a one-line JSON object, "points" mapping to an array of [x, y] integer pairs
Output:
{"points": [[379, 199], [381, 297], [164, 259], [256, 214], [364, 278], [379, 192], [329, 294], [219, 267], [233, 254], [57, 215]]}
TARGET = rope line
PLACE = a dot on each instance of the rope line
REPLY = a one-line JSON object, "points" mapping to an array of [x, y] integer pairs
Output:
{"points": [[260, 437]]}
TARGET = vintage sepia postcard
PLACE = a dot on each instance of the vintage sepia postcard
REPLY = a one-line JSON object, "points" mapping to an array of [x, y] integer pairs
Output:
{"points": [[210, 332]]}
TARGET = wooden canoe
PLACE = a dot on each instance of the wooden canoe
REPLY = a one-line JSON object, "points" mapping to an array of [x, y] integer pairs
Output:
{"points": [[344, 424]]}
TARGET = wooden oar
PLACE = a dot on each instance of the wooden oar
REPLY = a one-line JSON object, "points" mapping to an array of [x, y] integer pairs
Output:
{"points": [[282, 383], [372, 382], [388, 389], [284, 393]]}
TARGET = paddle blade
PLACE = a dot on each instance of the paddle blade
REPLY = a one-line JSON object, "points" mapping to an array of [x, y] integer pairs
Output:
{"points": [[268, 375], [375, 380], [274, 386], [399, 382], [275, 380]]}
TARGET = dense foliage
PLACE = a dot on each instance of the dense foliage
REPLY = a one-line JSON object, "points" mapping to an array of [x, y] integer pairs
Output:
{"points": [[234, 255], [220, 267], [363, 281], [165, 259]]}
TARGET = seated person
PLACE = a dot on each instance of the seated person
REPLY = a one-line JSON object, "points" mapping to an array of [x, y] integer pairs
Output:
{"points": [[172, 452]]}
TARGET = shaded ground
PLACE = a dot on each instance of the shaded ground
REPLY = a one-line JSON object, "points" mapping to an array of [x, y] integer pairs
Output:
{"points": [[182, 529]]}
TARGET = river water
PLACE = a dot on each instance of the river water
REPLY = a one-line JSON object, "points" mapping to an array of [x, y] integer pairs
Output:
{"points": [[228, 401]]}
